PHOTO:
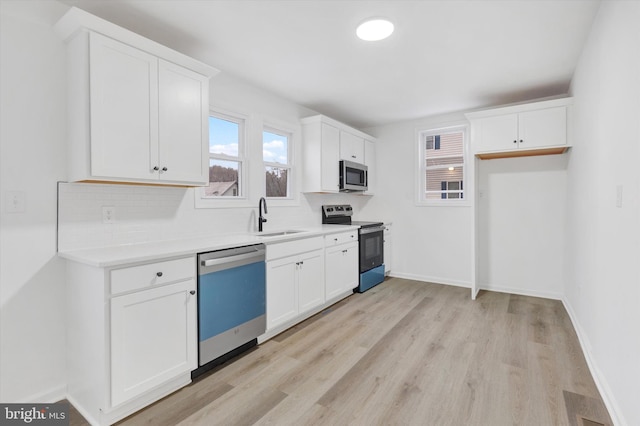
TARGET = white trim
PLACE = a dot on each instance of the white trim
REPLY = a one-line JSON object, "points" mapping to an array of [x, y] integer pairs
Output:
{"points": [[522, 292], [598, 377], [430, 279], [419, 180], [76, 19], [521, 107], [242, 200], [80, 409], [293, 133]]}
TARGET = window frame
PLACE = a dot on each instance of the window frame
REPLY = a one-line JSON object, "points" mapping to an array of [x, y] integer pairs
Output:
{"points": [[421, 167], [292, 132], [242, 199]]}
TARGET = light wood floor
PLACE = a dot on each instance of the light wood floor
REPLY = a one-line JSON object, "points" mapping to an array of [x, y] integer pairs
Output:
{"points": [[403, 353]]}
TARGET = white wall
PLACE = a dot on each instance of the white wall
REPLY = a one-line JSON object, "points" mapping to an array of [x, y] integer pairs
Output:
{"points": [[32, 152], [521, 220], [429, 243], [603, 252], [33, 160]]}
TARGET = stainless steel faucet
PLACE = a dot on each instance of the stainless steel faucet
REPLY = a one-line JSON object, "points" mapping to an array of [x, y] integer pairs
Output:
{"points": [[261, 219]]}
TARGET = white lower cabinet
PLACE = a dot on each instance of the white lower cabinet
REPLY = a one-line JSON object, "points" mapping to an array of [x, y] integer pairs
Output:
{"points": [[152, 338], [132, 335], [341, 264], [295, 285], [295, 281]]}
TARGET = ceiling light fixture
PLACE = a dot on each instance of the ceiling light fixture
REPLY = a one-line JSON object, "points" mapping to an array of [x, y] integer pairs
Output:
{"points": [[374, 29]]}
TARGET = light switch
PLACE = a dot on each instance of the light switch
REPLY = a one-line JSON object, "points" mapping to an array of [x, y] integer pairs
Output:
{"points": [[619, 196], [15, 202]]}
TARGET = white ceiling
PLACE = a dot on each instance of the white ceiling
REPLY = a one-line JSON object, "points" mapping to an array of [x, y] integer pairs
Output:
{"points": [[444, 56]]}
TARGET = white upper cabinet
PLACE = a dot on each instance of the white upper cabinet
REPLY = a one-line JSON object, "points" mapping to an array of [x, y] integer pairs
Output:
{"points": [[530, 129], [351, 147], [321, 152], [138, 111], [325, 143], [370, 162], [183, 118]]}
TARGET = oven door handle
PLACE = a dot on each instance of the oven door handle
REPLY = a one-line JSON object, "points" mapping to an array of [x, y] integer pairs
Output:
{"points": [[364, 231]]}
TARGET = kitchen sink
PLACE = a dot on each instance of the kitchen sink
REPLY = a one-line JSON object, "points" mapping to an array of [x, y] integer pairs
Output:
{"points": [[278, 234]]}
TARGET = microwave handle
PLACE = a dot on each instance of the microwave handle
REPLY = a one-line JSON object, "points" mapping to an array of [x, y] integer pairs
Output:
{"points": [[366, 178]]}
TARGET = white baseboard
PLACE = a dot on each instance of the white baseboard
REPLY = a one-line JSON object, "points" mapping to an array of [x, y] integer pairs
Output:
{"points": [[84, 413], [601, 383], [49, 396], [435, 280], [521, 292]]}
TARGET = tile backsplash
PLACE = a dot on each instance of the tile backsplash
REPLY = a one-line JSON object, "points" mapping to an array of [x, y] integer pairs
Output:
{"points": [[144, 214]]}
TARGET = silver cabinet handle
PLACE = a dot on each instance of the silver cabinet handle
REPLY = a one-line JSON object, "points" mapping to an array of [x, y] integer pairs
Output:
{"points": [[156, 168], [159, 274], [192, 292], [164, 169]]}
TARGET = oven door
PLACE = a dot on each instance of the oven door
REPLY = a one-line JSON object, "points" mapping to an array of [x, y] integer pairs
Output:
{"points": [[371, 247]]}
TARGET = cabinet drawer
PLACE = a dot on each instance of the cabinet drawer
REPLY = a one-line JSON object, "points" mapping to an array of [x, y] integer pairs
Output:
{"points": [[342, 238], [292, 248], [152, 274]]}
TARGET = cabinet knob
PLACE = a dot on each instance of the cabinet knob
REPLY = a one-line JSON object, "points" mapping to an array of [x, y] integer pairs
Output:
{"points": [[353, 156], [515, 141], [156, 168], [521, 141], [335, 239], [192, 292], [159, 274], [164, 169]]}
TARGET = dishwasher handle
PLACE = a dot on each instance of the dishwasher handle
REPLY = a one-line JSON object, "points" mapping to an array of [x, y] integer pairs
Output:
{"points": [[222, 260], [230, 258]]}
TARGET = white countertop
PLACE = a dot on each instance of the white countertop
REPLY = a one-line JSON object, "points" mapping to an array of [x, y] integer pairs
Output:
{"points": [[104, 257]]}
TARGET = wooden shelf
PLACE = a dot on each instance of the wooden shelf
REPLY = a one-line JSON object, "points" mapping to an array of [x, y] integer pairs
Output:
{"points": [[522, 153]]}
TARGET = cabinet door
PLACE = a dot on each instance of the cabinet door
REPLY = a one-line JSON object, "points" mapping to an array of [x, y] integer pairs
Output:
{"points": [[282, 295], [350, 267], [498, 133], [153, 338], [334, 278], [341, 269], [123, 104], [351, 147], [311, 281], [545, 127], [184, 125], [370, 162], [330, 152]]}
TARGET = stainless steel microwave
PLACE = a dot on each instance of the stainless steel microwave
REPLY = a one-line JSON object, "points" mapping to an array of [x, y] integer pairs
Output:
{"points": [[353, 176]]}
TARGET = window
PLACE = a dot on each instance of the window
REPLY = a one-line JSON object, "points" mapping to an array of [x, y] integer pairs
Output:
{"points": [[226, 139], [276, 147], [442, 165]]}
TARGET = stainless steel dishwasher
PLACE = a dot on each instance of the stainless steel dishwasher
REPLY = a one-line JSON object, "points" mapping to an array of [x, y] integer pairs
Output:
{"points": [[231, 303]]}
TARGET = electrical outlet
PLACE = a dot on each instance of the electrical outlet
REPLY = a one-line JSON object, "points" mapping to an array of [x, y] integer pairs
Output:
{"points": [[108, 214], [15, 202]]}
